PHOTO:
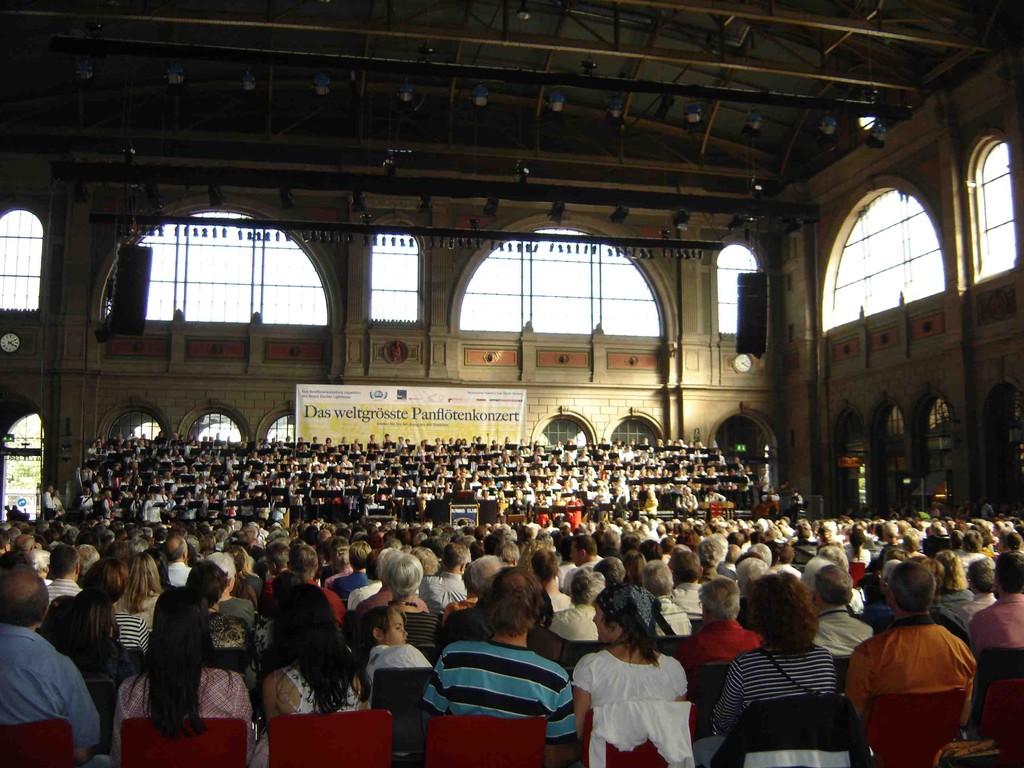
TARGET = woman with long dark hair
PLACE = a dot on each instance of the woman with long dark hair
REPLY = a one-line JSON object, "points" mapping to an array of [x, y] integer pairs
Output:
{"points": [[89, 637], [314, 671], [629, 683], [179, 690]]}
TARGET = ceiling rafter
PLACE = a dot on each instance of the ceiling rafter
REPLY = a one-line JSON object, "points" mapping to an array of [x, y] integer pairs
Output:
{"points": [[493, 37], [776, 14]]}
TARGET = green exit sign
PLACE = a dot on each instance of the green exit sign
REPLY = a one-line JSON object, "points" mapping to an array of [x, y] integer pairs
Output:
{"points": [[741, 447]]}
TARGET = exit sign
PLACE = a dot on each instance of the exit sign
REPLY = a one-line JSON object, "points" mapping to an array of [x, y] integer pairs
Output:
{"points": [[741, 447]]}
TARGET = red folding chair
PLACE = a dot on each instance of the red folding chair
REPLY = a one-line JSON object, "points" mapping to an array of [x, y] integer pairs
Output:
{"points": [[857, 572], [906, 730], [224, 744], [479, 741], [644, 756], [1000, 720], [43, 744], [364, 738]]}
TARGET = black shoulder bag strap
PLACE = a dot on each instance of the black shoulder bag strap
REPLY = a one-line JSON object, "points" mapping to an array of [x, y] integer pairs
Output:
{"points": [[783, 672]]}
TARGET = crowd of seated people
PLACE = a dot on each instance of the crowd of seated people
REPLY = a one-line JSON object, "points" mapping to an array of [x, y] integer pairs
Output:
{"points": [[161, 479], [192, 619]]}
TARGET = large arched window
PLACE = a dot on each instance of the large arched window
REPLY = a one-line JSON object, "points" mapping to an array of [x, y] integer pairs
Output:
{"points": [[134, 424], [21, 260], [215, 426], [892, 252], [733, 261], [563, 431], [631, 431], [282, 430], [394, 279], [997, 240], [559, 288], [225, 274]]}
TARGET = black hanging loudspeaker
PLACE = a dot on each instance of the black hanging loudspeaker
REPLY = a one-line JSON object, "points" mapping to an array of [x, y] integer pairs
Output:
{"points": [[752, 317], [129, 296]]}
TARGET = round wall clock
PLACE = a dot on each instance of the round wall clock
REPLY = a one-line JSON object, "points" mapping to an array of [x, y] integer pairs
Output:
{"points": [[10, 342], [742, 363]]}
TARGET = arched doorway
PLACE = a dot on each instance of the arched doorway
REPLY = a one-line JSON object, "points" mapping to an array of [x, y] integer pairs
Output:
{"points": [[891, 483], [21, 466], [934, 437], [746, 439], [1004, 445], [851, 469]]}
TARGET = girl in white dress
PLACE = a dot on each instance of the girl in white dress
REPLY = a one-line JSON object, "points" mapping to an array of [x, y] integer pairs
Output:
{"points": [[637, 693]]}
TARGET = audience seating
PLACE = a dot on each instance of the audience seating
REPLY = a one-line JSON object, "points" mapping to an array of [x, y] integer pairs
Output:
{"points": [[546, 643], [399, 692], [223, 744], [709, 689], [829, 733], [43, 744], [906, 730], [574, 650], [361, 738], [479, 741], [668, 643], [430, 651], [842, 664], [104, 696], [644, 756], [857, 572], [994, 664], [1001, 720], [231, 659]]}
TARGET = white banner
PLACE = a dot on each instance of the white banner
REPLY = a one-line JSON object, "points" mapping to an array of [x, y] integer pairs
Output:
{"points": [[350, 413]]}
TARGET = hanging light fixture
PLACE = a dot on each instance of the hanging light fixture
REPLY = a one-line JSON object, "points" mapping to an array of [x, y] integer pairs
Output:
{"points": [[480, 95], [681, 221], [694, 114], [321, 84], [523, 14], [556, 101], [752, 128], [405, 92], [615, 107], [248, 81], [175, 74], [879, 131], [557, 211], [84, 71]]}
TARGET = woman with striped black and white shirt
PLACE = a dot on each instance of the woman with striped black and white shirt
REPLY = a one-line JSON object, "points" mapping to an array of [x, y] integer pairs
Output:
{"points": [[779, 608]]}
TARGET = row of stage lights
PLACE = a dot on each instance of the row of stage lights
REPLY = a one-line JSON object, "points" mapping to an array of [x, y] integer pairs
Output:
{"points": [[126, 232], [693, 112]]}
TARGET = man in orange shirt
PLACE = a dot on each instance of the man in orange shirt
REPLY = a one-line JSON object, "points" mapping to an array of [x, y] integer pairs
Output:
{"points": [[915, 655]]}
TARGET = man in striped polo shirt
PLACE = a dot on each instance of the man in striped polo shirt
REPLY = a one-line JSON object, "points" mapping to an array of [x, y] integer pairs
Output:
{"points": [[501, 677]]}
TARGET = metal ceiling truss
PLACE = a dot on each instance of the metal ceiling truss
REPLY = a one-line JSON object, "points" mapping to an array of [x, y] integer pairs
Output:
{"points": [[446, 187], [100, 48]]}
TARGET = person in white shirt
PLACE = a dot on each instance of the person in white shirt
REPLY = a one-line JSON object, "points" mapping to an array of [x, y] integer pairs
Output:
{"points": [[177, 552], [545, 566], [446, 586]]}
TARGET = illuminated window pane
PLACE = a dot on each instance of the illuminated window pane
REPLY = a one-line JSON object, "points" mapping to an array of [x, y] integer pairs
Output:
{"points": [[563, 431], [21, 259], [892, 251], [215, 426], [633, 431], [394, 279], [225, 274], [134, 424], [559, 288], [733, 261], [995, 213], [282, 430]]}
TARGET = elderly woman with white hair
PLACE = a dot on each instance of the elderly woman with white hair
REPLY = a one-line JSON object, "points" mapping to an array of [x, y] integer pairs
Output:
{"points": [[658, 581], [577, 623], [404, 574], [39, 561]]}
